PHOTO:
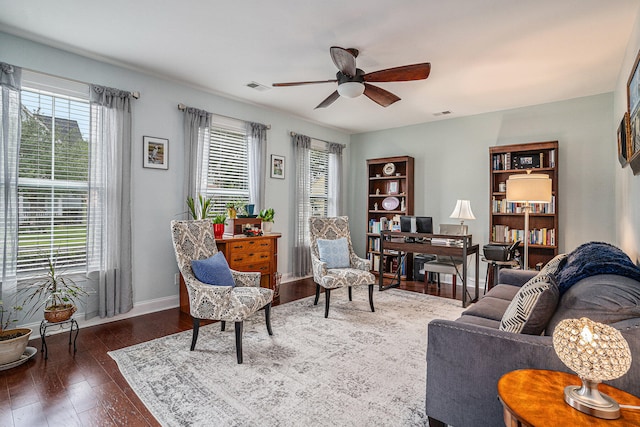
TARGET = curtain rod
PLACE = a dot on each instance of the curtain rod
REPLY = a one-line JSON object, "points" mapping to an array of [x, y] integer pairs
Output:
{"points": [[183, 107], [135, 94], [318, 139]]}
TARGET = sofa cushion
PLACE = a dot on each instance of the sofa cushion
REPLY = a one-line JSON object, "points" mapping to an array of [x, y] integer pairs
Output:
{"points": [[334, 252], [213, 270], [488, 307], [479, 321], [605, 298], [505, 292], [532, 307], [553, 266]]}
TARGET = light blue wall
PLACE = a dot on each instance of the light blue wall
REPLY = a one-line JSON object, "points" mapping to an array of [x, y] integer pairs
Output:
{"points": [[158, 195], [452, 162], [627, 186]]}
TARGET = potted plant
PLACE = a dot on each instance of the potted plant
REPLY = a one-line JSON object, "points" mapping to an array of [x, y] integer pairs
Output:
{"points": [[267, 219], [201, 211], [219, 221], [13, 341], [55, 292]]}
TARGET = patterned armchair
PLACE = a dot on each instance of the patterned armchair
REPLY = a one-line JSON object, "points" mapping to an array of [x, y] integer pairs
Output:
{"points": [[332, 278], [193, 240]]}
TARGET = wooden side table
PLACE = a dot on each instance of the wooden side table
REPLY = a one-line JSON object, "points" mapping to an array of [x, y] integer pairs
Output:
{"points": [[533, 397]]}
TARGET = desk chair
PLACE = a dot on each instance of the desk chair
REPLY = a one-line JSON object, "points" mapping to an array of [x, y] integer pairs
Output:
{"points": [[447, 264]]}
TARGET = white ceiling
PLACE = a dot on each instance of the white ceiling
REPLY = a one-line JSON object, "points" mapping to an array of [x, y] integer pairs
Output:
{"points": [[486, 55]]}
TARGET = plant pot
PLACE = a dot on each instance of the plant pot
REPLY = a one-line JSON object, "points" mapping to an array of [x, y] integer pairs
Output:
{"points": [[266, 226], [231, 213], [218, 231], [59, 313], [12, 349]]}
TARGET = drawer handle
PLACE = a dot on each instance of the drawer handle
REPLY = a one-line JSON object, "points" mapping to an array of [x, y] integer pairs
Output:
{"points": [[237, 247], [238, 259], [264, 256]]}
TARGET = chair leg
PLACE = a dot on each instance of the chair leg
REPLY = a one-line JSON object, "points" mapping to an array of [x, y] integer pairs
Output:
{"points": [[196, 328], [238, 328], [315, 302], [267, 317], [453, 281], [371, 298], [327, 295], [438, 280], [350, 294], [223, 325]]}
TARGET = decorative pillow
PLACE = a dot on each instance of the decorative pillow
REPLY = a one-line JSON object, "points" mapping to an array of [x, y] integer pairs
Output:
{"points": [[213, 271], [334, 252], [554, 265], [532, 307]]}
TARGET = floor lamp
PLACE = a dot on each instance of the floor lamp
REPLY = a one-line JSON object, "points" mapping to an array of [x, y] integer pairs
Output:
{"points": [[527, 189]]}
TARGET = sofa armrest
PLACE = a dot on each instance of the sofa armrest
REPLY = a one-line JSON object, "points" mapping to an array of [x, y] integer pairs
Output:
{"points": [[464, 364], [510, 276]]}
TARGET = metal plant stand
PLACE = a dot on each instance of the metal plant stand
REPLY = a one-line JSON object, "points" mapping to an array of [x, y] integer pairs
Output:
{"points": [[44, 325]]}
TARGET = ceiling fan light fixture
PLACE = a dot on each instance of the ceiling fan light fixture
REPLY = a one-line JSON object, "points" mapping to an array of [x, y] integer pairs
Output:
{"points": [[351, 89]]}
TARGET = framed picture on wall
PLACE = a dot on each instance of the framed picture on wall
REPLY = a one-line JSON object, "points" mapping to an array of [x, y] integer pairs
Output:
{"points": [[277, 166], [633, 90], [624, 140], [155, 152]]}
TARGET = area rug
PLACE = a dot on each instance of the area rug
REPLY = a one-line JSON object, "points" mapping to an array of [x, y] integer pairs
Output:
{"points": [[355, 368]]}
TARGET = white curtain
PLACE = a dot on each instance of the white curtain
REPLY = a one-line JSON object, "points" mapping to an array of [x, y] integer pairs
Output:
{"points": [[196, 145], [301, 244], [10, 82], [334, 192], [257, 148], [109, 264]]}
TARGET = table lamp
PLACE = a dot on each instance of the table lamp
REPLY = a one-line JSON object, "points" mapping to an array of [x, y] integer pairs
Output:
{"points": [[597, 353], [527, 189], [462, 211]]}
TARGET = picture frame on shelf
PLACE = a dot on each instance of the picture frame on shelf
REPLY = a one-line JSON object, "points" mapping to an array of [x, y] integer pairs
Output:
{"points": [[155, 152], [633, 90], [624, 140], [277, 166], [393, 187]]}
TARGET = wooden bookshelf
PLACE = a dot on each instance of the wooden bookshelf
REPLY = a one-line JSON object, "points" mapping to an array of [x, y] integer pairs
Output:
{"points": [[506, 220], [385, 184]]}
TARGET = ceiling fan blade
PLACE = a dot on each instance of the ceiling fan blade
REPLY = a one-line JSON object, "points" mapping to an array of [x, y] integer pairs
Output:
{"points": [[313, 82], [328, 100], [400, 74], [380, 96], [344, 60]]}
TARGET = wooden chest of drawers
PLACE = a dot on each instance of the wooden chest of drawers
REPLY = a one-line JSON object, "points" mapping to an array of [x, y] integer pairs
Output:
{"points": [[246, 254]]}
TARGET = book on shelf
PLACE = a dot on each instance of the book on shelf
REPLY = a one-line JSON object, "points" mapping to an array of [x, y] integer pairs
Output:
{"points": [[537, 236], [503, 206]]}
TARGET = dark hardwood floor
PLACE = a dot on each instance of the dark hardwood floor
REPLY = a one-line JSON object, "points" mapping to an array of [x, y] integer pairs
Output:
{"points": [[87, 389]]}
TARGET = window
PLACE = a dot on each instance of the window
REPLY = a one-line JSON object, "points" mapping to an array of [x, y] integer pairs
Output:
{"points": [[227, 163], [53, 180], [319, 169]]}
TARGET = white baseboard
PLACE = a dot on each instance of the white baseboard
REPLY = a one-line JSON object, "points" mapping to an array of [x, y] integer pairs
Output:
{"points": [[144, 307]]}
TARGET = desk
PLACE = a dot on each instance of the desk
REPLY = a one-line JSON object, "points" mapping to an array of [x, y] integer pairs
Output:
{"points": [[535, 397], [461, 250]]}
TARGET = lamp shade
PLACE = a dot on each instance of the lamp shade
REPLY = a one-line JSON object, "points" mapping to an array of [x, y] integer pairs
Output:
{"points": [[462, 210], [532, 188], [351, 89]]}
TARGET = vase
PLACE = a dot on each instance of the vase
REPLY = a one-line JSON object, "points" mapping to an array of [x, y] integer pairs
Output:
{"points": [[266, 226], [12, 349], [249, 209], [218, 231], [231, 213]]}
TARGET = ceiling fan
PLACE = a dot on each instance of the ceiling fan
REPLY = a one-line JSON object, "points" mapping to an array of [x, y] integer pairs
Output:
{"points": [[353, 82]]}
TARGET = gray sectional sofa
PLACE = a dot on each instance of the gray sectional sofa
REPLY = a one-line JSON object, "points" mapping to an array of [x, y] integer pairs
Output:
{"points": [[467, 357]]}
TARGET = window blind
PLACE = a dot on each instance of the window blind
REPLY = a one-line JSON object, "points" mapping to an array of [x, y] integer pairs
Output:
{"points": [[227, 164], [319, 167], [53, 180]]}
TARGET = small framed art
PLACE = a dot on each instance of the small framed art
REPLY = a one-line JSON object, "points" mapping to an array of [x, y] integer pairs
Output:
{"points": [[155, 152], [624, 140], [393, 187], [277, 166]]}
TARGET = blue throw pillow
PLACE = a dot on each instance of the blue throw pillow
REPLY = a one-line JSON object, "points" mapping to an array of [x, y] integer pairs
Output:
{"points": [[213, 271], [334, 252]]}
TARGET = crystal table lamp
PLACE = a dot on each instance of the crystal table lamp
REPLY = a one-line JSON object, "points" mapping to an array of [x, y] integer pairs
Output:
{"points": [[597, 353]]}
